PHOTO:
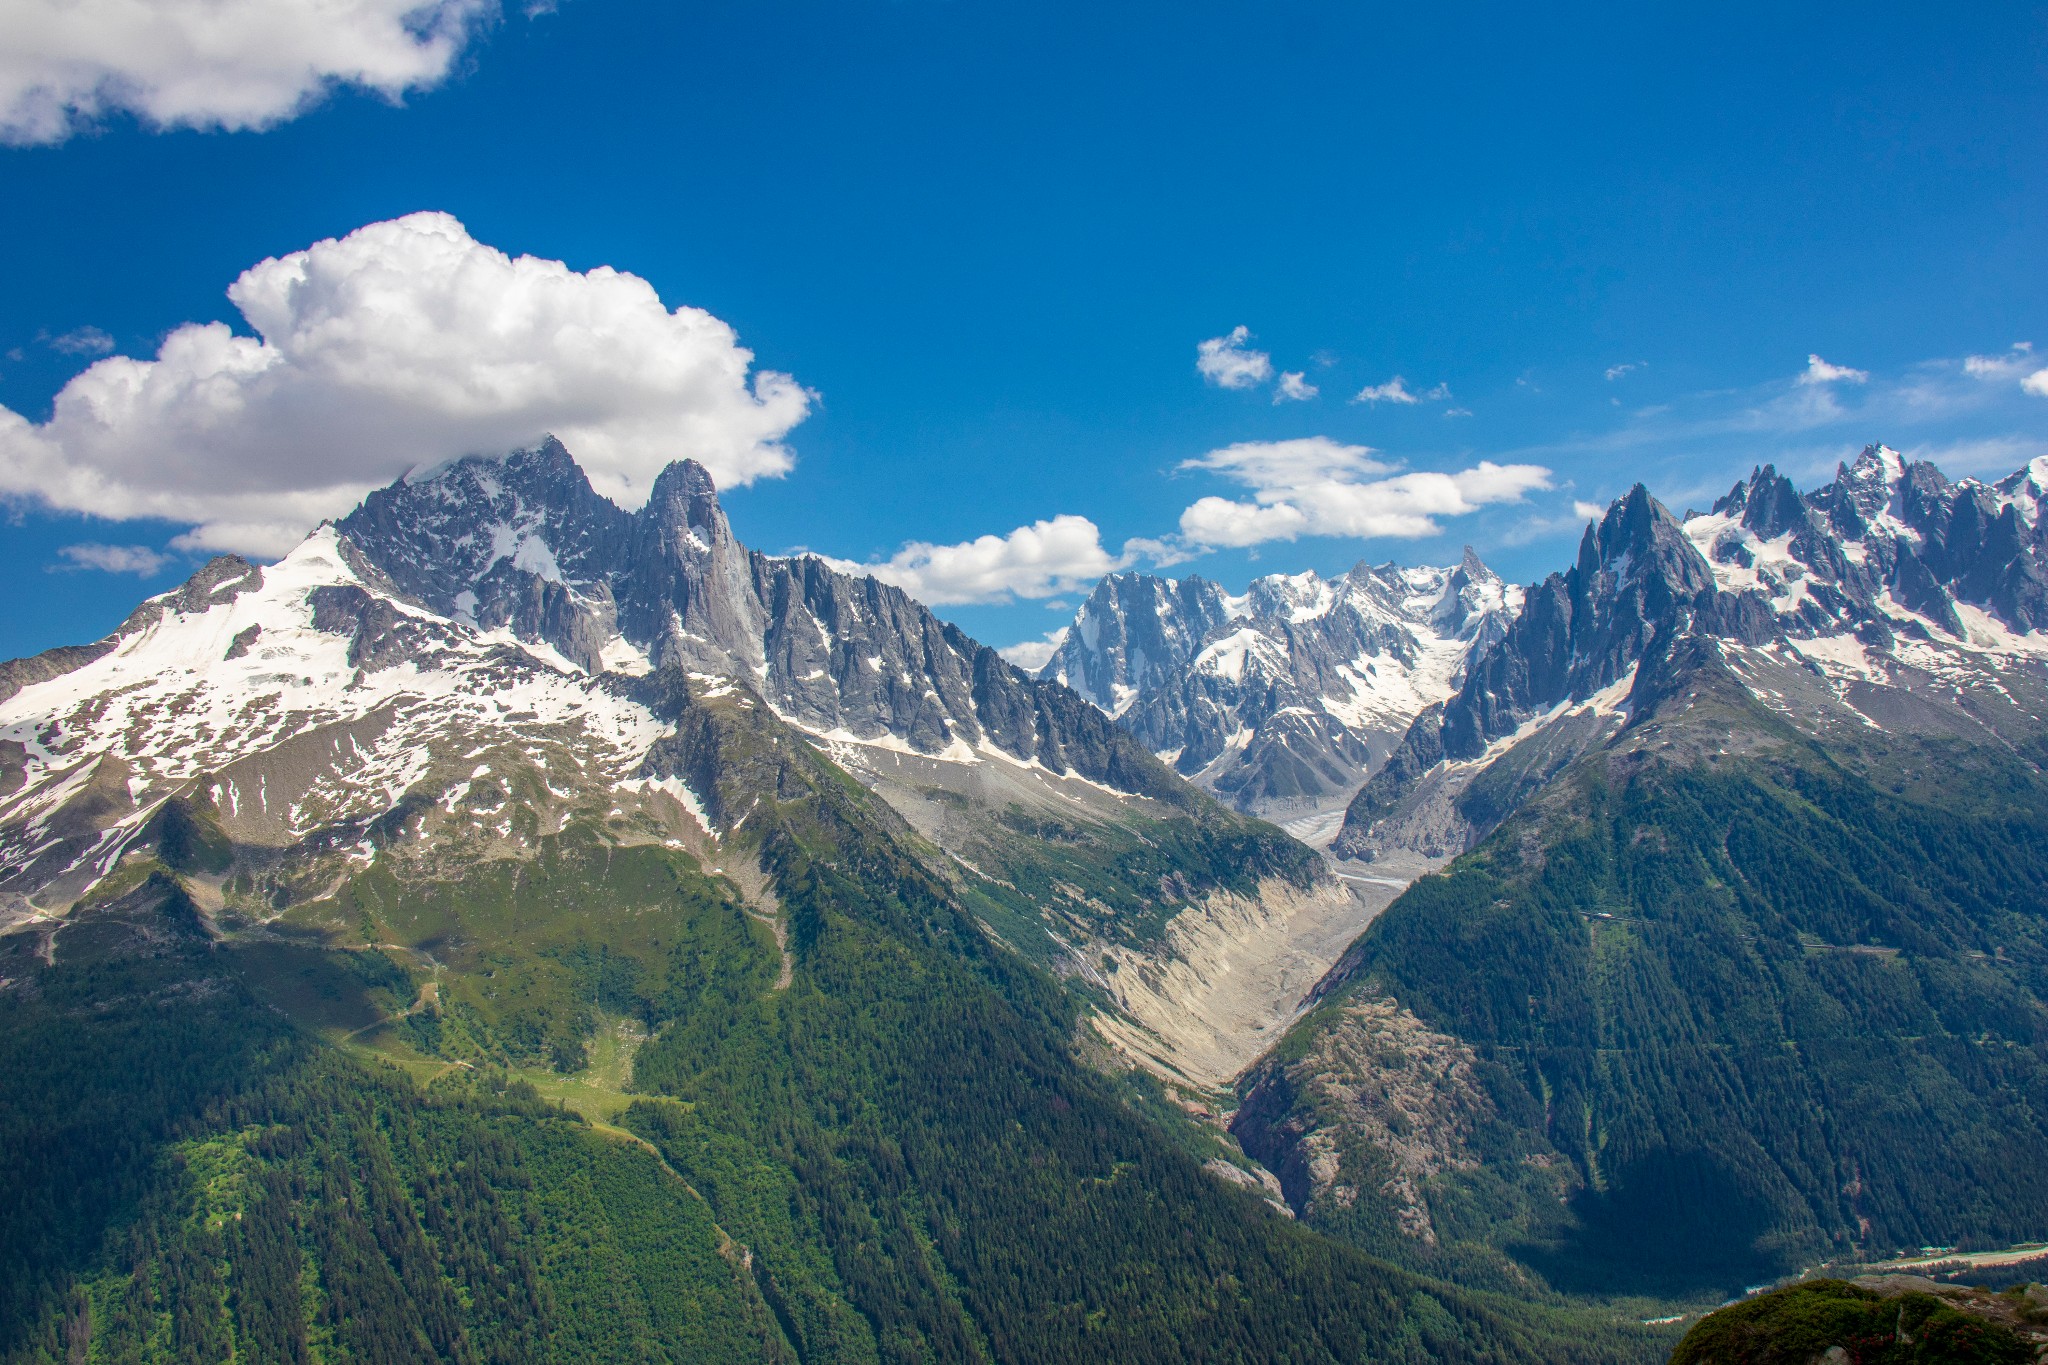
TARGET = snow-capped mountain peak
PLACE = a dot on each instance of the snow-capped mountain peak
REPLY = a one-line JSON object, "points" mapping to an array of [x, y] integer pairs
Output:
{"points": [[1281, 697], [2026, 490]]}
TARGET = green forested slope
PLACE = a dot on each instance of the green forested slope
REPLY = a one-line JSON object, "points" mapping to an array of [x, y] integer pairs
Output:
{"points": [[184, 1175], [1767, 1005], [889, 1157]]}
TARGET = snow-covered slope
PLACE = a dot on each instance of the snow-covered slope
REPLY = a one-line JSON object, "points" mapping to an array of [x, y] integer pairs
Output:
{"points": [[299, 704], [1281, 699]]}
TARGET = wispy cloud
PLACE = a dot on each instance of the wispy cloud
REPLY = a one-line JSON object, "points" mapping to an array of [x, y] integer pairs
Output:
{"points": [[1819, 371], [1396, 390], [79, 341], [1614, 372], [1229, 362], [1294, 388], [1530, 529], [136, 559], [2019, 362]]}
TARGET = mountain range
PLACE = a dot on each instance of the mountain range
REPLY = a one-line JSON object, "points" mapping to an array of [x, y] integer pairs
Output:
{"points": [[512, 927], [1281, 699]]}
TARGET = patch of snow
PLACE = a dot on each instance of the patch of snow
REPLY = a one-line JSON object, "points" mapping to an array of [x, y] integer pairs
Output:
{"points": [[956, 751], [678, 789], [1611, 700], [621, 655], [2029, 491], [539, 650], [1840, 657], [1227, 657], [534, 556]]}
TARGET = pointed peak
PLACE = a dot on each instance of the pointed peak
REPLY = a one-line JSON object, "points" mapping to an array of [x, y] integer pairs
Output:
{"points": [[1863, 488], [1736, 499], [683, 505], [686, 479], [547, 454], [1772, 505], [1631, 531], [536, 469], [1877, 463], [1635, 514], [1470, 569]]}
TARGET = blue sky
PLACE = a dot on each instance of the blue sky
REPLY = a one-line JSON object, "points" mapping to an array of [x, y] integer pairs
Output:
{"points": [[1597, 244]]}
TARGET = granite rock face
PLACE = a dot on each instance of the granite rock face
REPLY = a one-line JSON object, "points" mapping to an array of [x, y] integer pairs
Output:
{"points": [[523, 544]]}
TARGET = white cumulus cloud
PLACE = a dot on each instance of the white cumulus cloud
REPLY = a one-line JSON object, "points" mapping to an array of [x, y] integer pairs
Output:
{"points": [[1294, 388], [403, 343], [1315, 486], [1032, 655], [1063, 554], [1396, 390], [231, 64], [2036, 383], [135, 559], [1228, 361], [1819, 371]]}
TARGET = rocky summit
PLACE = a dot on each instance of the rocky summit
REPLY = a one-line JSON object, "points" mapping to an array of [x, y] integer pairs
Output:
{"points": [[522, 544]]}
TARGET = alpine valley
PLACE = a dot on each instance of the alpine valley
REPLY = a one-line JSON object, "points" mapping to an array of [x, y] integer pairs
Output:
{"points": [[511, 927]]}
